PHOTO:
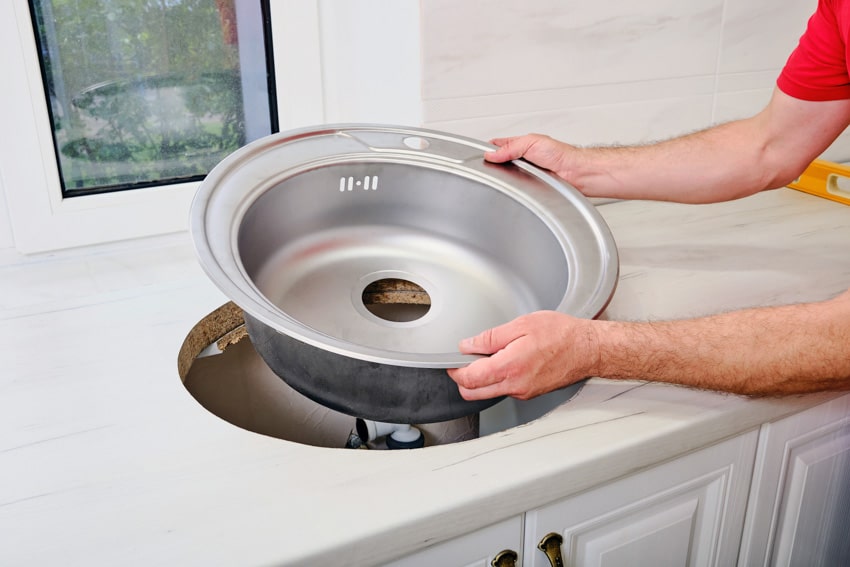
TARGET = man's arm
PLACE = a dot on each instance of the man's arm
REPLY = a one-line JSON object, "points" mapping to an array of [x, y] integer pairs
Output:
{"points": [[766, 351], [725, 162]]}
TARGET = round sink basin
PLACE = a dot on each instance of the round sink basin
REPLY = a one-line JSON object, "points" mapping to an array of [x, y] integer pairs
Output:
{"points": [[362, 254]]}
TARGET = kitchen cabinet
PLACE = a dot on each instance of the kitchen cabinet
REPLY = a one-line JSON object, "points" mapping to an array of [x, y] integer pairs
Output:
{"points": [[689, 511], [800, 498], [777, 495]]}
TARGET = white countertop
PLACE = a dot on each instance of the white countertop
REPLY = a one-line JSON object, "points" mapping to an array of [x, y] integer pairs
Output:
{"points": [[105, 458]]}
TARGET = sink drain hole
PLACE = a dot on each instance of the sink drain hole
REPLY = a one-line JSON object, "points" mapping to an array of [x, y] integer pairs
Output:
{"points": [[397, 300]]}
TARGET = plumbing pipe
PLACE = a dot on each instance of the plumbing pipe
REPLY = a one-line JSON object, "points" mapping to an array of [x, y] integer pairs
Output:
{"points": [[398, 435]]}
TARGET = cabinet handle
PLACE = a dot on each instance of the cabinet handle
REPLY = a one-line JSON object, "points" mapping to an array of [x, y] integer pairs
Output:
{"points": [[551, 546], [505, 558]]}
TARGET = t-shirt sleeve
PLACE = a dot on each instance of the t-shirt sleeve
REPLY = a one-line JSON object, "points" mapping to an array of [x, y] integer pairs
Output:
{"points": [[817, 68]]}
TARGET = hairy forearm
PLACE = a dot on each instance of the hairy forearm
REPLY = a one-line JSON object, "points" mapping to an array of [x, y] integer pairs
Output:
{"points": [[728, 161], [713, 165], [765, 351]]}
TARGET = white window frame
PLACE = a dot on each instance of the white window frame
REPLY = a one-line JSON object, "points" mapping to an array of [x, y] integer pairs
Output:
{"points": [[334, 62]]}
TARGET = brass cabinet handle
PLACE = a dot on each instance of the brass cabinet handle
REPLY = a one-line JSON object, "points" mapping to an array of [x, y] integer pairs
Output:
{"points": [[551, 546], [505, 558]]}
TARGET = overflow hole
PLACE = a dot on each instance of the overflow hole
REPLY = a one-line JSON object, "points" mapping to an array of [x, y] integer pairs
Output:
{"points": [[397, 300]]}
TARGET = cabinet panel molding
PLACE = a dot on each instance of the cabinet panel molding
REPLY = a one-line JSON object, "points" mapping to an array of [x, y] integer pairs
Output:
{"points": [[800, 500], [688, 511]]}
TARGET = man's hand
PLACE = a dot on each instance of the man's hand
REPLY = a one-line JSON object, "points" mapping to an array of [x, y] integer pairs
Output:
{"points": [[529, 356], [542, 151]]}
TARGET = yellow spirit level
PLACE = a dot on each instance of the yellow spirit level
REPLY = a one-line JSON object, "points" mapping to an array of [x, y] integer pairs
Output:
{"points": [[825, 179]]}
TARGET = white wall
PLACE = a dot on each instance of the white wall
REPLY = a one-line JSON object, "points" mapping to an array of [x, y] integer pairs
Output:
{"points": [[7, 241], [604, 72]]}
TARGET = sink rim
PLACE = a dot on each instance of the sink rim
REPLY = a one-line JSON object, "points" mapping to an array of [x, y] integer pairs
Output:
{"points": [[224, 198]]}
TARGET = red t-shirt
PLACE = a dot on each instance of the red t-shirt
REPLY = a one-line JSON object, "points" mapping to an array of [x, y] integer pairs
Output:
{"points": [[819, 69]]}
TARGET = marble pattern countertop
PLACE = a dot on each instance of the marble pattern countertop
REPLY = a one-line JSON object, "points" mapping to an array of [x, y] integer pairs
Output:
{"points": [[105, 458]]}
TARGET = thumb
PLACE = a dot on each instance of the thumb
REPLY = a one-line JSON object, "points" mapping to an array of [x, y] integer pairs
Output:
{"points": [[508, 149], [490, 341]]}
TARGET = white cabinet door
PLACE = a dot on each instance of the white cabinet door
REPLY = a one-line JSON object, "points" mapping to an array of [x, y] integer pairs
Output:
{"points": [[689, 511], [476, 549], [800, 499]]}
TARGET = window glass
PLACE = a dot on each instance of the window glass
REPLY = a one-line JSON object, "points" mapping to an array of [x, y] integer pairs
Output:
{"points": [[151, 92]]}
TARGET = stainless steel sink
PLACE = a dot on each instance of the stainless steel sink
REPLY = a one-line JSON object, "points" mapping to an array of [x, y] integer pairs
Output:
{"points": [[388, 245]]}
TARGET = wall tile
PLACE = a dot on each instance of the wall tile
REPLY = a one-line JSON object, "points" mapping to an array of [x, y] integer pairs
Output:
{"points": [[501, 46], [740, 104], [760, 34], [750, 80], [7, 240], [559, 99], [617, 72], [614, 124]]}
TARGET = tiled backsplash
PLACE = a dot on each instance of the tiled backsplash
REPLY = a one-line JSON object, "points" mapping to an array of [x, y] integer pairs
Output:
{"points": [[615, 72]]}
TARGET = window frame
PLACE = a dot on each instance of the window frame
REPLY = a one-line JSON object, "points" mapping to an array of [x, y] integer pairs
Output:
{"points": [[311, 61]]}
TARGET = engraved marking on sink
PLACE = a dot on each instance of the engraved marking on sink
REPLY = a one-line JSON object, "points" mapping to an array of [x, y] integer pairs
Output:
{"points": [[369, 182]]}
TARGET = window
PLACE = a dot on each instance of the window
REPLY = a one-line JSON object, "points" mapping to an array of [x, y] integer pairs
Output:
{"points": [[150, 92], [167, 111]]}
